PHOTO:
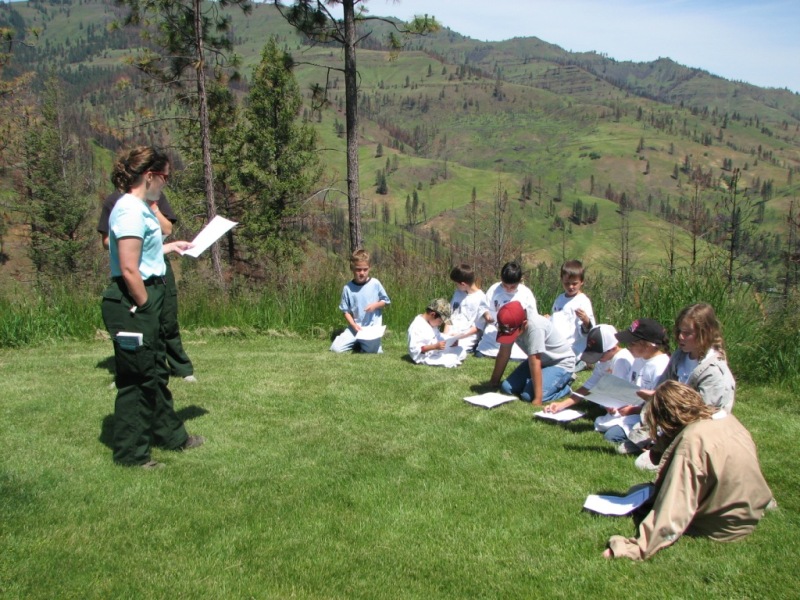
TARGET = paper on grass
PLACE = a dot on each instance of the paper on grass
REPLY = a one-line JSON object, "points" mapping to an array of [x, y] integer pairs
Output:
{"points": [[489, 399], [565, 415], [371, 332], [618, 506], [216, 228], [613, 392]]}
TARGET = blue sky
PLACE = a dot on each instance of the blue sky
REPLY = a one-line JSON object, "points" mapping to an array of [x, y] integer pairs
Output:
{"points": [[757, 41]]}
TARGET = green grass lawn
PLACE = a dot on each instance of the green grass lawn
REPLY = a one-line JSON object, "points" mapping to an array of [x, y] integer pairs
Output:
{"points": [[343, 476]]}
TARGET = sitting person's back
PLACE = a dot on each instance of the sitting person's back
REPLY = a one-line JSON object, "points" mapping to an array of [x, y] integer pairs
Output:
{"points": [[710, 482]]}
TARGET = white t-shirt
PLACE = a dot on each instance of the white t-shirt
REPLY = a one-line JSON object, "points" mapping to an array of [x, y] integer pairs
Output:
{"points": [[421, 333], [646, 373], [620, 365], [497, 296], [564, 317], [467, 311]]}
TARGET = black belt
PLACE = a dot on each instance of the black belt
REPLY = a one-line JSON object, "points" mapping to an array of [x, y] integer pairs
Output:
{"points": [[154, 280]]}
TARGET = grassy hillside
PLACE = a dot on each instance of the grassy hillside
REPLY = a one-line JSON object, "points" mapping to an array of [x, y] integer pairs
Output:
{"points": [[453, 114]]}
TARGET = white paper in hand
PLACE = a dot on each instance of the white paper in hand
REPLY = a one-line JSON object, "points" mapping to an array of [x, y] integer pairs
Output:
{"points": [[217, 227], [371, 332]]}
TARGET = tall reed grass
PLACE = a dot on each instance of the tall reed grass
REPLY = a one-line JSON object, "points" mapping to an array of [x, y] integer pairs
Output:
{"points": [[762, 333], [47, 313]]}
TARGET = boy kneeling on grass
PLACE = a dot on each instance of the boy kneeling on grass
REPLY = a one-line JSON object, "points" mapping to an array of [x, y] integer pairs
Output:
{"points": [[546, 374]]}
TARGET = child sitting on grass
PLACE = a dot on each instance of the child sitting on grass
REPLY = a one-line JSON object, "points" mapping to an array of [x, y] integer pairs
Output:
{"points": [[510, 287], [426, 345], [648, 342], [572, 312], [710, 482], [700, 363], [608, 358], [546, 374], [469, 305]]}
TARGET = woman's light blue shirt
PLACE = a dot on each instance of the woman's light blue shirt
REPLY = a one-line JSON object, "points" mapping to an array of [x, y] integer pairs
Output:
{"points": [[132, 217]]}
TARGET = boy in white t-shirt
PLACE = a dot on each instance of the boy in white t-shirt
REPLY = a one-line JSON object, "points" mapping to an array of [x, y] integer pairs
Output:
{"points": [[510, 287], [609, 359], [426, 344], [572, 312], [469, 306]]}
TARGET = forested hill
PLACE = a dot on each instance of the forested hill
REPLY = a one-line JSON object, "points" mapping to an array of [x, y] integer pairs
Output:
{"points": [[452, 122]]}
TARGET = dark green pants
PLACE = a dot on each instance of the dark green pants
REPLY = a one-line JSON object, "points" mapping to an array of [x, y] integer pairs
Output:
{"points": [[143, 412], [179, 362]]}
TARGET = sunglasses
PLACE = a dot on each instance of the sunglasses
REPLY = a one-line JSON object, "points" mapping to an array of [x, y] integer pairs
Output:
{"points": [[162, 174]]}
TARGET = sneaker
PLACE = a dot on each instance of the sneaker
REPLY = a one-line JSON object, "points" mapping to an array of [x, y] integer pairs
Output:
{"points": [[644, 463], [190, 379], [193, 441], [627, 447], [151, 464]]}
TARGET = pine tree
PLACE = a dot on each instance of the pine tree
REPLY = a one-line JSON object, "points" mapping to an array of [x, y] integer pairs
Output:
{"points": [[383, 187], [276, 153], [57, 189]]}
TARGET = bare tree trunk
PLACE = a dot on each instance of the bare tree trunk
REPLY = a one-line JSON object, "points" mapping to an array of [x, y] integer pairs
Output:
{"points": [[351, 124], [625, 251], [205, 136], [790, 251]]}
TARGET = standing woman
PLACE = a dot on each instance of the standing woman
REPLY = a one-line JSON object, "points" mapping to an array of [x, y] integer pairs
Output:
{"points": [[143, 412]]}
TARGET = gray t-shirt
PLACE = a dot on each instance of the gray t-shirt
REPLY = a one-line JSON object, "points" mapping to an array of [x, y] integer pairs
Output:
{"points": [[542, 338]]}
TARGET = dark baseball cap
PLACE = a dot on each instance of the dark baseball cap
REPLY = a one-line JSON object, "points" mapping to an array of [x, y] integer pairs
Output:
{"points": [[648, 330]]}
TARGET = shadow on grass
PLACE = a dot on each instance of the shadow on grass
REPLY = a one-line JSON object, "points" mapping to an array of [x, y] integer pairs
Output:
{"points": [[600, 450], [107, 364], [484, 388], [106, 438], [579, 426]]}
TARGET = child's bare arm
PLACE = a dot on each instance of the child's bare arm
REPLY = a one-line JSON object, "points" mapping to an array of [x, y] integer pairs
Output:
{"points": [[372, 307], [351, 321], [500, 363]]}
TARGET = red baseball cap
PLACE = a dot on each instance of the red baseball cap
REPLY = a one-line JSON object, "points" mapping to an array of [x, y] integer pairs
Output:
{"points": [[509, 322]]}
